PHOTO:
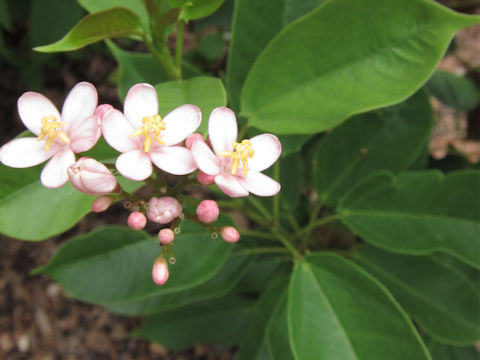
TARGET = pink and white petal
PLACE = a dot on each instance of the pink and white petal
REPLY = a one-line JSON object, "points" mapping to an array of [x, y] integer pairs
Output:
{"points": [[205, 159], [117, 132], [25, 152], [134, 165], [175, 160], [267, 150], [85, 135], [32, 107], [259, 184], [222, 129], [179, 123], [97, 184], [141, 101], [55, 174], [230, 185], [80, 104]]}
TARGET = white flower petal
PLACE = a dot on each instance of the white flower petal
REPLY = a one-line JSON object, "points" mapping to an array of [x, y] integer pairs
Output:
{"points": [[267, 150], [259, 184], [25, 152], [85, 134], [79, 105], [222, 129], [55, 174], [117, 132], [32, 107], [206, 160], [230, 185], [141, 101], [179, 123], [175, 160], [134, 165]]}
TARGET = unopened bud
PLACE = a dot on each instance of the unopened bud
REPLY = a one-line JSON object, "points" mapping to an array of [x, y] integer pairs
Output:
{"points": [[165, 236], [229, 234], [204, 178], [102, 203], [101, 110], [207, 211], [160, 271], [91, 177], [163, 210], [192, 138], [136, 220]]}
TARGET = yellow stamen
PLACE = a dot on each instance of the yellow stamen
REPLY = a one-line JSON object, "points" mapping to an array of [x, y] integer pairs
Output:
{"points": [[51, 129], [242, 151], [150, 124]]}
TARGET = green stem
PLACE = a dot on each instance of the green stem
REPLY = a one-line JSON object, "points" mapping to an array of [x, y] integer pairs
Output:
{"points": [[260, 208], [288, 245], [162, 55], [179, 45], [259, 234], [291, 219], [269, 249], [276, 198], [312, 225]]}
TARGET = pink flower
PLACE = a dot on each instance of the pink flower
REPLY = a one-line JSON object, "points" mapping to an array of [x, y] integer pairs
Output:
{"points": [[91, 177], [205, 179], [59, 137], [160, 271], [101, 110], [163, 210], [237, 166], [165, 236], [143, 137], [207, 211], [229, 234], [192, 138], [136, 220], [102, 204]]}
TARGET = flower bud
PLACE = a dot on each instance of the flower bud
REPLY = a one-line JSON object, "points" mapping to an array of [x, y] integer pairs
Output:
{"points": [[102, 203], [229, 234], [101, 110], [165, 236], [136, 220], [205, 179], [163, 210], [192, 138], [91, 177], [160, 271], [207, 211]]}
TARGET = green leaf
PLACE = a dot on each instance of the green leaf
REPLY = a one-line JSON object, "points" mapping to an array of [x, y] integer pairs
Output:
{"points": [[418, 213], [388, 139], [124, 260], [291, 179], [455, 91], [447, 309], [276, 333], [333, 63], [136, 6], [5, 20], [197, 9], [445, 352], [108, 24], [205, 92], [222, 321], [337, 311]]}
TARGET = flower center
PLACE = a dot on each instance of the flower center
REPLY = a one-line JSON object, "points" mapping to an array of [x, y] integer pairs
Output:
{"points": [[152, 125], [51, 130], [241, 152]]}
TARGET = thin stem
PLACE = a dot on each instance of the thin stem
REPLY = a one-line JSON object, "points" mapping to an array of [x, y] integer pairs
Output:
{"points": [[162, 55], [307, 229], [291, 219], [259, 234], [260, 208], [269, 249], [313, 218], [276, 198], [288, 245], [179, 45]]}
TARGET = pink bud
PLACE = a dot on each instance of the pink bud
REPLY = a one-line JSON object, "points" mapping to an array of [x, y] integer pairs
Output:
{"points": [[91, 177], [101, 110], [205, 179], [229, 234], [163, 210], [192, 138], [207, 211], [160, 271], [166, 236], [136, 220], [102, 204]]}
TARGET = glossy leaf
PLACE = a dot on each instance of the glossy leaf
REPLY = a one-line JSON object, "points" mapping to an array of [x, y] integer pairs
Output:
{"points": [[108, 24], [197, 9], [337, 311], [418, 213], [138, 7], [439, 297], [445, 352], [276, 333], [388, 139], [332, 63]]}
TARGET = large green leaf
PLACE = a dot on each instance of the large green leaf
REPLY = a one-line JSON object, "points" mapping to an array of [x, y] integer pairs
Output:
{"points": [[337, 311], [388, 139], [114, 264], [346, 57], [138, 7], [108, 24], [441, 299], [445, 352], [418, 213], [276, 333]]}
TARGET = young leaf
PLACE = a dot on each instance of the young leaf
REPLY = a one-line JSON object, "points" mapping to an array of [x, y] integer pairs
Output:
{"points": [[334, 63], [108, 24], [136, 6], [337, 311], [197, 9], [418, 213]]}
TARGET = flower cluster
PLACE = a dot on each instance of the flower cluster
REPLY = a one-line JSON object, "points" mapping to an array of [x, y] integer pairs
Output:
{"points": [[149, 147]]}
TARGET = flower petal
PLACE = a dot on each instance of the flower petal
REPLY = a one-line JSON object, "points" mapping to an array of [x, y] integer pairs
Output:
{"points": [[175, 160], [25, 152], [141, 101], [117, 132], [267, 149], [179, 123], [206, 160], [230, 185], [259, 184], [32, 107], [55, 174], [134, 165], [84, 134], [80, 104], [222, 129]]}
